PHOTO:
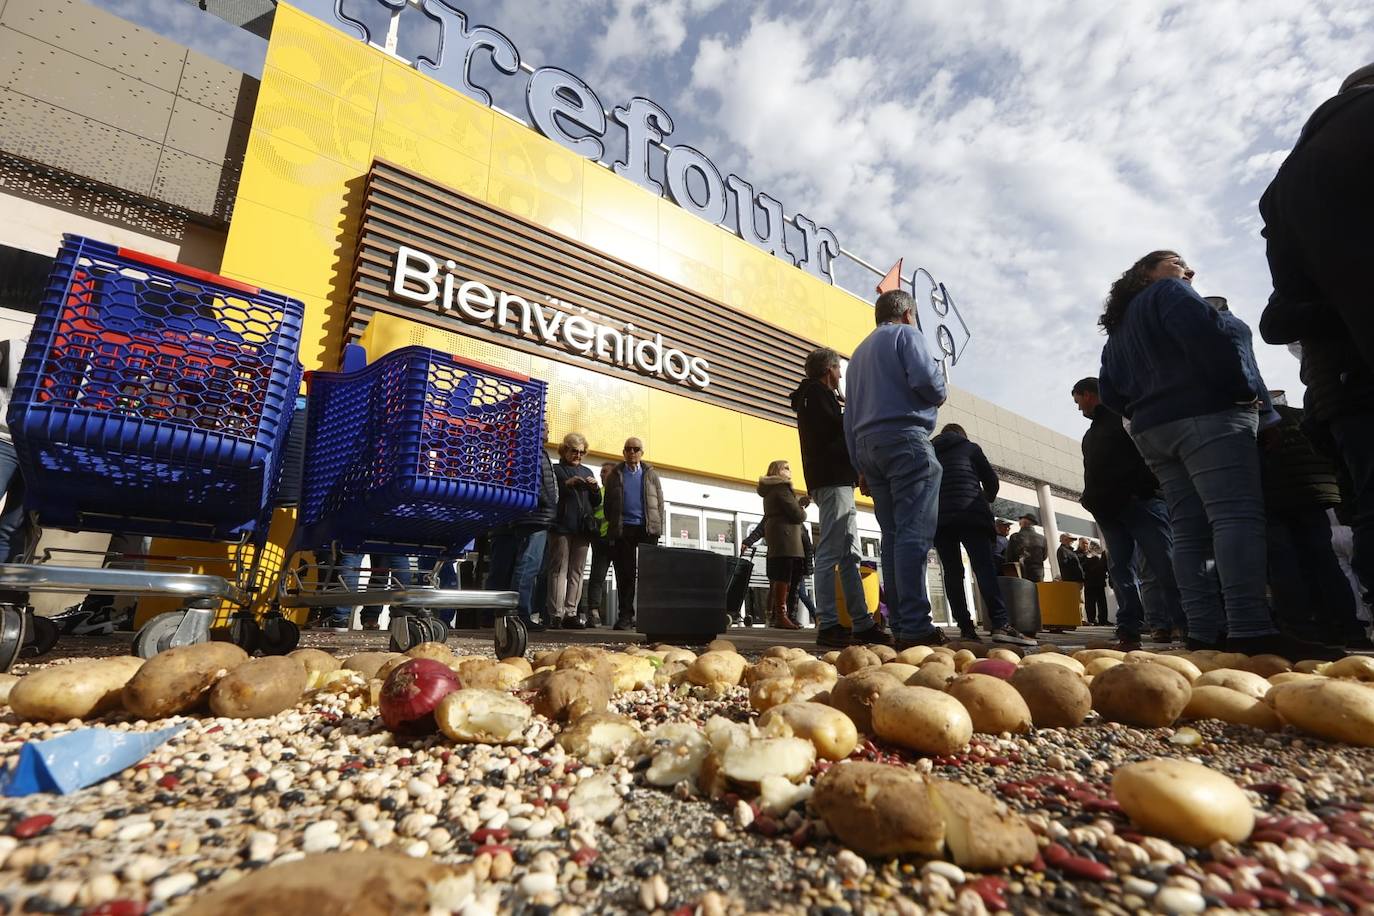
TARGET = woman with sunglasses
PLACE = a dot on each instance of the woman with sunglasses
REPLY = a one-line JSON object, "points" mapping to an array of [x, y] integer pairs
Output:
{"points": [[575, 523]]}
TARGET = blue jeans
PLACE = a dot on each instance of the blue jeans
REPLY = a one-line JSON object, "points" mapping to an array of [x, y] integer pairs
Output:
{"points": [[1140, 550], [517, 558], [978, 543], [12, 539], [904, 478], [1355, 437], [1209, 469], [348, 570], [838, 546], [1305, 578]]}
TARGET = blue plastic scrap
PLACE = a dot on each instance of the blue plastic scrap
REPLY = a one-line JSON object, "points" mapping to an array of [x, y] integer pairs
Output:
{"points": [[79, 759]]}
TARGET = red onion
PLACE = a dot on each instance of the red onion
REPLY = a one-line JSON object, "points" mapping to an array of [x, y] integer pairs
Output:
{"points": [[996, 667], [411, 693]]}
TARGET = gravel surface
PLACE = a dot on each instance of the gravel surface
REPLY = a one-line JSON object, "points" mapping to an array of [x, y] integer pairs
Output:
{"points": [[227, 797]]}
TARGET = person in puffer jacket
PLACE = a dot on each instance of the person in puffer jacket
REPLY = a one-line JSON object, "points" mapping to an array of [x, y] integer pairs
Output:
{"points": [[783, 516], [967, 488]]}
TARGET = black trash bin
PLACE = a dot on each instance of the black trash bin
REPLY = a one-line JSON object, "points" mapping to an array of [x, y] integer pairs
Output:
{"points": [[680, 595], [1023, 603]]}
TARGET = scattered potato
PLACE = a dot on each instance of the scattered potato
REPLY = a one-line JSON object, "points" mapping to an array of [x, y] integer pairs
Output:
{"points": [[179, 679], [766, 694], [748, 764], [370, 663], [1006, 655], [833, 733], [316, 662], [993, 705], [813, 669], [1328, 708], [1265, 665], [962, 659], [1054, 658], [677, 751], [982, 833], [438, 651], [721, 645], [935, 676], [718, 671], [1174, 663], [856, 657], [1146, 695], [598, 738], [1308, 666], [777, 795], [80, 690], [1088, 656], [580, 658], [1212, 701], [476, 716], [627, 672], [913, 656], [7, 682], [922, 719], [766, 668], [855, 694], [1055, 696], [1359, 667], [831, 657], [993, 667], [1288, 677], [886, 653], [258, 688], [569, 694], [485, 674], [1095, 667], [519, 664], [899, 670], [546, 659], [1246, 682], [879, 810], [1183, 801]]}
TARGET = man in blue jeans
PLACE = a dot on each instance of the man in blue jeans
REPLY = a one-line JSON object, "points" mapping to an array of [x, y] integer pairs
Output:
{"points": [[830, 481], [895, 388], [1123, 496], [517, 549]]}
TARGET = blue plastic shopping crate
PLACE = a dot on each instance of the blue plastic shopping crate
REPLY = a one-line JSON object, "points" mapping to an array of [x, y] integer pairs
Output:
{"points": [[418, 450], [154, 397]]}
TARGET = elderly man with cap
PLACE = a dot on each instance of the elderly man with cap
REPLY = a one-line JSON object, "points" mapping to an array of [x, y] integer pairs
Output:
{"points": [[999, 543], [1027, 547], [1319, 225]]}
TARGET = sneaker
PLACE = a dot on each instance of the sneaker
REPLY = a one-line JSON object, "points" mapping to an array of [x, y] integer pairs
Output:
{"points": [[1127, 642], [535, 626], [80, 621], [1288, 647], [624, 623], [836, 637], [1162, 636], [1200, 645], [873, 636], [935, 637], [1009, 634], [970, 634], [371, 625], [574, 622]]}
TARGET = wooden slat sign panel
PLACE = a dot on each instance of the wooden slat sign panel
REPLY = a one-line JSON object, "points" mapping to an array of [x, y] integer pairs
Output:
{"points": [[434, 255]]}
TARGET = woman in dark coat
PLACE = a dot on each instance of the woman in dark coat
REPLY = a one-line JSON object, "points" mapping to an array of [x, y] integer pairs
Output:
{"points": [[783, 517], [967, 489]]}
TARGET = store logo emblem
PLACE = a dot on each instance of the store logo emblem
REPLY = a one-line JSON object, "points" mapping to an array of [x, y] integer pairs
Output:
{"points": [[418, 277], [566, 110]]}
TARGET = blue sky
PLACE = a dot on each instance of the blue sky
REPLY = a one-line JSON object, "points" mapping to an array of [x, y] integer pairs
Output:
{"points": [[1025, 153]]}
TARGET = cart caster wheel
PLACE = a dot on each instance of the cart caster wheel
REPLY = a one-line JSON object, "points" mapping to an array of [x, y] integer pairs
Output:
{"points": [[279, 635], [156, 635], [244, 632], [438, 630], [14, 625], [512, 639], [408, 632], [42, 636]]}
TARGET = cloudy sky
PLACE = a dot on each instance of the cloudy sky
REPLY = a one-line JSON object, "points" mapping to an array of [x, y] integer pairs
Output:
{"points": [[1024, 152]]}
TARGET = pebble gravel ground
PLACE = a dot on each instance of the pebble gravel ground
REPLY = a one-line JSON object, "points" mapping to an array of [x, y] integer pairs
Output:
{"points": [[226, 798]]}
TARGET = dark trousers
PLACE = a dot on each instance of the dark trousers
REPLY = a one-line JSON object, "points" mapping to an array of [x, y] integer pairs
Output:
{"points": [[1095, 603], [1305, 578], [625, 559], [978, 543], [1355, 437], [594, 591]]}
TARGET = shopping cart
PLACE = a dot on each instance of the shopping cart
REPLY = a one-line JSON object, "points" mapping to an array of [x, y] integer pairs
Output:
{"points": [[414, 455], [155, 399]]}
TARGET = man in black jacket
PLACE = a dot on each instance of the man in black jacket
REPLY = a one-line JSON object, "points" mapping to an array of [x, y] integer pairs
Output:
{"points": [[517, 549], [1123, 496], [967, 488], [1319, 225], [1070, 567], [830, 481], [1094, 582]]}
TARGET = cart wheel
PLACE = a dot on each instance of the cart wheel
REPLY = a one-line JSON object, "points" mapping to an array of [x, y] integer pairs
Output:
{"points": [[408, 631], [438, 630], [156, 635], [511, 637], [42, 636], [13, 627], [279, 635], [244, 631]]}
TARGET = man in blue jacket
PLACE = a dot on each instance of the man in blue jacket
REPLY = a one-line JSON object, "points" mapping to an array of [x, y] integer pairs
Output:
{"points": [[895, 388]]}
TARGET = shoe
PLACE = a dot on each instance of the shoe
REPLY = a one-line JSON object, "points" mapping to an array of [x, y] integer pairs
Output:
{"points": [[787, 623], [1162, 636], [573, 622], [371, 625], [534, 626], [873, 636], [836, 637], [1127, 642], [79, 621], [1359, 642], [1010, 635], [935, 637], [1202, 645], [337, 628], [969, 634], [624, 623], [1291, 648]]}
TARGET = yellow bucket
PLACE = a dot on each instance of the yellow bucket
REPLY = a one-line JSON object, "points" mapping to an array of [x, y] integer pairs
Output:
{"points": [[870, 580], [1061, 603]]}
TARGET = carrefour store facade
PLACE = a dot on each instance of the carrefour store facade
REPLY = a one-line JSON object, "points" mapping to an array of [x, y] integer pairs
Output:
{"points": [[575, 243]]}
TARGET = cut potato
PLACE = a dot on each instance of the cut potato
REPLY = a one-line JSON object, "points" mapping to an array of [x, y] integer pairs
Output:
{"points": [[1055, 696], [598, 738], [476, 716], [519, 664], [766, 694], [1328, 708], [993, 705], [1247, 682], [922, 719], [1212, 701], [982, 833], [1183, 801], [676, 753], [627, 672], [748, 764], [569, 694], [1146, 695], [833, 733], [879, 810]]}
